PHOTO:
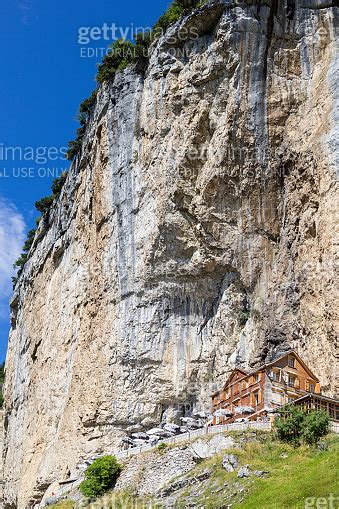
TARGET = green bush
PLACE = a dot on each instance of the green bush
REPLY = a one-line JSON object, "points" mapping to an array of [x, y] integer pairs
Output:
{"points": [[20, 262], [295, 425], [58, 184], [44, 204], [177, 9], [29, 241], [173, 13], [316, 426], [85, 110], [87, 106], [162, 447], [100, 476], [122, 53]]}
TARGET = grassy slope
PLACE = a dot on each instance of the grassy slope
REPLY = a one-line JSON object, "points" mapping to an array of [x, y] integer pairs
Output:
{"points": [[305, 472]]}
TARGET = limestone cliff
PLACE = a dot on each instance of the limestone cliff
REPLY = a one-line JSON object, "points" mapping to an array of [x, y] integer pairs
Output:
{"points": [[195, 231]]}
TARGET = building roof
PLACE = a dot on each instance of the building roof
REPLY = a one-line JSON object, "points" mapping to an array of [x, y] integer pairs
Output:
{"points": [[264, 366], [312, 395], [281, 356], [245, 373]]}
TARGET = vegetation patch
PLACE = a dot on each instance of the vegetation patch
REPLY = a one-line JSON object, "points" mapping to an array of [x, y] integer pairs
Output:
{"points": [[123, 53], [100, 476], [63, 504], [85, 111], [296, 426], [293, 475], [42, 206]]}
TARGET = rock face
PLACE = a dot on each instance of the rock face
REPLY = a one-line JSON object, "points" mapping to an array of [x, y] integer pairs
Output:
{"points": [[195, 231]]}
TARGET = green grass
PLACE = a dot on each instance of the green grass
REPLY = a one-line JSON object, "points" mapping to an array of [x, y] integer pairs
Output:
{"points": [[306, 472], [64, 504]]}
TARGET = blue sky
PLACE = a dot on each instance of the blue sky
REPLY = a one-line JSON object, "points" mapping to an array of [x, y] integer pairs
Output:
{"points": [[46, 73]]}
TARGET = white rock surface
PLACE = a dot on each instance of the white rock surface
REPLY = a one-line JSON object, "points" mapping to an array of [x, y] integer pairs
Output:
{"points": [[202, 448]]}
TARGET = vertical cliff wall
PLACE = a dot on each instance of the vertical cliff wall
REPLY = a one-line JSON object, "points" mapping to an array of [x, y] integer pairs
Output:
{"points": [[195, 231]]}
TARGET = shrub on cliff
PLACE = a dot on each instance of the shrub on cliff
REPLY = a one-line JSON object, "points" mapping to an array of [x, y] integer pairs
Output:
{"points": [[42, 206], [85, 110], [58, 184], [173, 13], [45, 203], [100, 476], [295, 425], [121, 54]]}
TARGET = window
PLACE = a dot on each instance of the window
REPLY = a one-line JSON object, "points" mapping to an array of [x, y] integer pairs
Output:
{"points": [[236, 403], [255, 398], [311, 387], [275, 375], [291, 380], [236, 389], [244, 385], [291, 362]]}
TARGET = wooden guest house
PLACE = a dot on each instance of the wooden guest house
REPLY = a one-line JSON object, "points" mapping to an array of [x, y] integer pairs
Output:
{"points": [[255, 395]]}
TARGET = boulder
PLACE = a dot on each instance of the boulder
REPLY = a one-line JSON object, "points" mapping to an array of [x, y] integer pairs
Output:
{"points": [[192, 423], [134, 428], [167, 434], [244, 472], [230, 462], [260, 473], [204, 448], [183, 429], [239, 410]]}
